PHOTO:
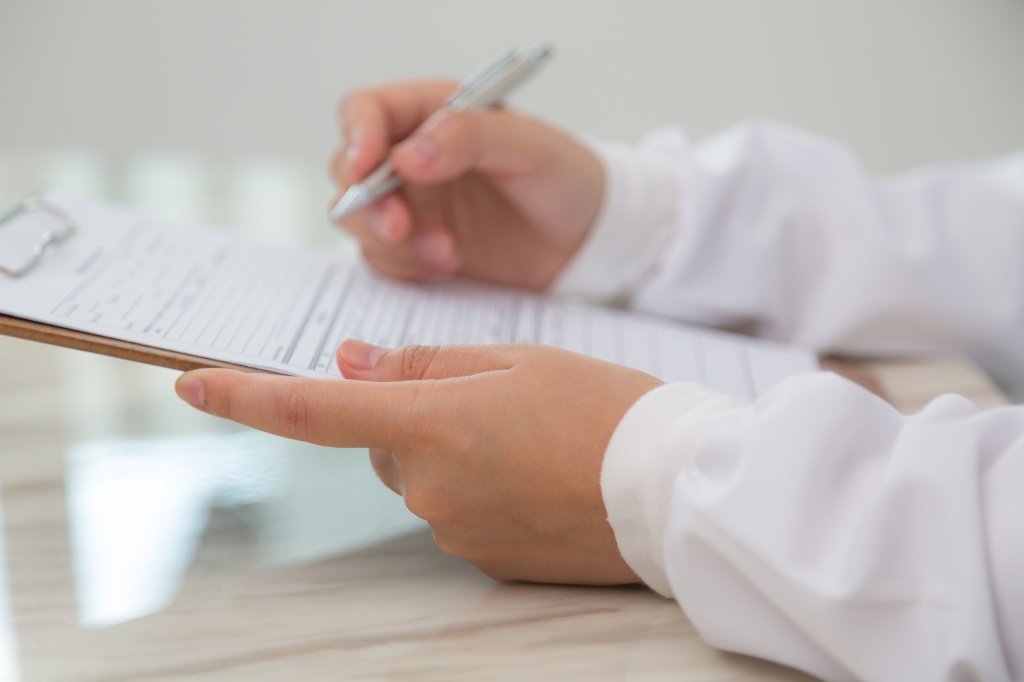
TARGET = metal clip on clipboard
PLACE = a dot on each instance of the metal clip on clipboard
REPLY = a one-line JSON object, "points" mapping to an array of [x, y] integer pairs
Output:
{"points": [[36, 203]]}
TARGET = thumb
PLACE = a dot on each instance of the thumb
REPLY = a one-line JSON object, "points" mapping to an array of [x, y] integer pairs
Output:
{"points": [[359, 360], [492, 141]]}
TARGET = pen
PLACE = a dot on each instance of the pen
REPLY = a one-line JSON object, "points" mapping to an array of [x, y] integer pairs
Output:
{"points": [[481, 90]]}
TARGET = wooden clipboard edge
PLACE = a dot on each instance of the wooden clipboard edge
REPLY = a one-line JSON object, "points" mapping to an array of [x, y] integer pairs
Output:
{"points": [[102, 345]]}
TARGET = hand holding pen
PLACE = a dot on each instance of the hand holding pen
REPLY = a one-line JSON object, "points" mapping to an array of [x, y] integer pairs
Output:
{"points": [[489, 193], [482, 89]]}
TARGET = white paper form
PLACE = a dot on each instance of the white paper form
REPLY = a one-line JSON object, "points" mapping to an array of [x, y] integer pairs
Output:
{"points": [[216, 294]]}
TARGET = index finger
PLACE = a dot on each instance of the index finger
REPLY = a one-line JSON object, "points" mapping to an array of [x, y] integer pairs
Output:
{"points": [[373, 120], [335, 413]]}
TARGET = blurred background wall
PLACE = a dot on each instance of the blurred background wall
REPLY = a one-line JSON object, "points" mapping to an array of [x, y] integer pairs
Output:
{"points": [[905, 82]]}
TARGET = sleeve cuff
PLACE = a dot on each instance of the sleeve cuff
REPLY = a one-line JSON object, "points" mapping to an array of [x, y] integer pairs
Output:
{"points": [[651, 446], [639, 212]]}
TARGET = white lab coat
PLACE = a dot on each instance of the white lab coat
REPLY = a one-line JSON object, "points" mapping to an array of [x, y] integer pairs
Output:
{"points": [[818, 527]]}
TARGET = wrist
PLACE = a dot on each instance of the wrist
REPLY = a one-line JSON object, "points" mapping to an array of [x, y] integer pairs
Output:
{"points": [[638, 211]]}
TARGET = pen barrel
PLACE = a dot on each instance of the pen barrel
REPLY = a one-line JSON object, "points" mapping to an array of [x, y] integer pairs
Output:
{"points": [[380, 174], [486, 94], [385, 185]]}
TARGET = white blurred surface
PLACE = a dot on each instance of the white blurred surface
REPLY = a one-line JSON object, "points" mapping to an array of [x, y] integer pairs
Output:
{"points": [[905, 82]]}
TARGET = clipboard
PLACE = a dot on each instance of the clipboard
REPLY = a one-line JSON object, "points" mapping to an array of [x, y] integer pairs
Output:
{"points": [[69, 338], [120, 283]]}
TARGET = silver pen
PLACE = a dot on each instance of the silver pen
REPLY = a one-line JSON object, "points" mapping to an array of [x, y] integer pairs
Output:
{"points": [[481, 90]]}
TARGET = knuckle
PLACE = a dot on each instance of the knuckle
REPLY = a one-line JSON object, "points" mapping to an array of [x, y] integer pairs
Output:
{"points": [[220, 403], [420, 502], [295, 414], [416, 361], [447, 544], [433, 505]]}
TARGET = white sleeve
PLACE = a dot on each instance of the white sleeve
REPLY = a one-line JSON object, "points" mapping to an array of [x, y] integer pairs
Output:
{"points": [[779, 230], [821, 529]]}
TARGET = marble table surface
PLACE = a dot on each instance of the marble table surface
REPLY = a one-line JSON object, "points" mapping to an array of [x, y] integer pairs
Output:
{"points": [[142, 540]]}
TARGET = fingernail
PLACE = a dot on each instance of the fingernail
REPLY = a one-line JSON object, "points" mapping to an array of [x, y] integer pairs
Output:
{"points": [[436, 249], [419, 151], [360, 355], [191, 390], [353, 148]]}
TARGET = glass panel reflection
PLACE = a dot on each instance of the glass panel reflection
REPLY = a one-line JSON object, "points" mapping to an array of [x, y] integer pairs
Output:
{"points": [[137, 508]]}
